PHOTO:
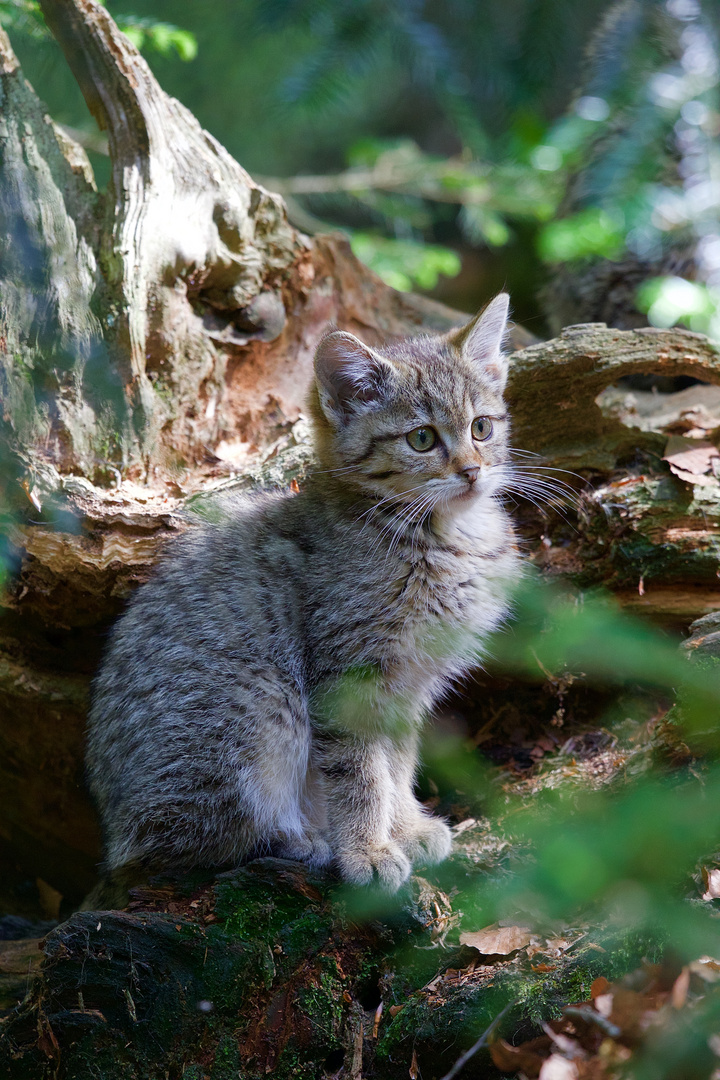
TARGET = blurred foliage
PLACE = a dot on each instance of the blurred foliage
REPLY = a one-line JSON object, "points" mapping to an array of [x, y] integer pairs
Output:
{"points": [[588, 133], [671, 300], [24, 18], [405, 264], [164, 38], [591, 232], [624, 855], [630, 172], [303, 84]]}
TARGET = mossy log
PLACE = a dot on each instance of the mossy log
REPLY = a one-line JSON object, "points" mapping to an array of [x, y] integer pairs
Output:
{"points": [[273, 970]]}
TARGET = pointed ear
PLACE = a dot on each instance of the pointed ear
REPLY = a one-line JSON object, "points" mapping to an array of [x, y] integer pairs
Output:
{"points": [[349, 374], [481, 341]]}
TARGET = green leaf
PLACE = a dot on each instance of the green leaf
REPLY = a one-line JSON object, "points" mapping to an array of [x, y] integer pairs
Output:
{"points": [[671, 300], [161, 37], [404, 264], [23, 17], [591, 232], [482, 225]]}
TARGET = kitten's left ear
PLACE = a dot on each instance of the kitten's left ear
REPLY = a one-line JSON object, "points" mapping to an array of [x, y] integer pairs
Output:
{"points": [[481, 341]]}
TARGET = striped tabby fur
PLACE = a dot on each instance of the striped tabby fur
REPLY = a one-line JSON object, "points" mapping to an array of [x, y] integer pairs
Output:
{"points": [[264, 692]]}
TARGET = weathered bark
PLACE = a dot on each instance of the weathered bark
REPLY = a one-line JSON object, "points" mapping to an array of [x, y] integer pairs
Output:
{"points": [[651, 537], [144, 326], [48, 271]]}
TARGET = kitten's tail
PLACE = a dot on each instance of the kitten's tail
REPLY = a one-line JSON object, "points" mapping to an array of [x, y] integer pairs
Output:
{"points": [[112, 892]]}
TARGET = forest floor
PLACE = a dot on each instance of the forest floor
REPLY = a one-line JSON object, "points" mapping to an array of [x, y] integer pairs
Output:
{"points": [[404, 986]]}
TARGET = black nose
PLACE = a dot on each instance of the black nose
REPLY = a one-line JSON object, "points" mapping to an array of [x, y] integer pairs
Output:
{"points": [[470, 472]]}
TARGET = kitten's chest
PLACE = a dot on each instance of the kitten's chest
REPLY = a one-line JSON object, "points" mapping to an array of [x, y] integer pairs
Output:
{"points": [[455, 593], [451, 588], [448, 605]]}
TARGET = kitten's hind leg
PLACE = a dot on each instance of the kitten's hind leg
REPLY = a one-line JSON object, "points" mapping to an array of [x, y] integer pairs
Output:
{"points": [[238, 784], [310, 845]]}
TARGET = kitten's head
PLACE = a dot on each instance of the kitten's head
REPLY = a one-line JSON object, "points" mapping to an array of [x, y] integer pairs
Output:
{"points": [[421, 419]]}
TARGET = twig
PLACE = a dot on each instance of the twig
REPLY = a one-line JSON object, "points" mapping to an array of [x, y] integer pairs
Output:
{"points": [[414, 178], [590, 1016], [462, 1061]]}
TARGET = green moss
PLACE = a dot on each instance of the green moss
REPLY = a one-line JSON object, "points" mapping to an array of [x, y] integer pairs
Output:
{"points": [[226, 1065], [625, 536], [258, 904], [468, 1008], [323, 1003], [306, 934]]}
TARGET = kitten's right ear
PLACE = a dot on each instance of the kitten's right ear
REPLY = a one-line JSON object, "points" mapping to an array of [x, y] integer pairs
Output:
{"points": [[348, 374]]}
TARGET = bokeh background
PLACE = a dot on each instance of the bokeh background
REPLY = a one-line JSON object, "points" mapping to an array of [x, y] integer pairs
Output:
{"points": [[465, 146]]}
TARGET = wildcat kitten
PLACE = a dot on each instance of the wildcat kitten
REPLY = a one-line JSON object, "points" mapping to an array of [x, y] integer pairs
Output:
{"points": [[265, 690]]}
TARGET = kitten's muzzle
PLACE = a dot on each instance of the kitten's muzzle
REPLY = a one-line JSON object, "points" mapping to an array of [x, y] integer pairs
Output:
{"points": [[470, 473]]}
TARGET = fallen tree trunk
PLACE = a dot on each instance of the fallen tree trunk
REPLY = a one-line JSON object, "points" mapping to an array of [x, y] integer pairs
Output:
{"points": [[271, 970]]}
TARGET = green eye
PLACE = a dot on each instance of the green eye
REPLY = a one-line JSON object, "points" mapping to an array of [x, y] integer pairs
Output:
{"points": [[481, 428], [422, 438]]}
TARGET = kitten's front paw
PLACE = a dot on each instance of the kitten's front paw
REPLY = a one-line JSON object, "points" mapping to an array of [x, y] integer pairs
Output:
{"points": [[426, 840], [385, 863]]}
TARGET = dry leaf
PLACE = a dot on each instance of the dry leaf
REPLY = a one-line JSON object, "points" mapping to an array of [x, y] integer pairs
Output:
{"points": [[552, 947], [509, 1058], [414, 1068], [376, 1021], [558, 1068], [565, 1044], [603, 1004], [691, 459], [599, 986], [497, 940], [463, 826], [32, 496], [558, 945], [711, 881], [628, 1012]]}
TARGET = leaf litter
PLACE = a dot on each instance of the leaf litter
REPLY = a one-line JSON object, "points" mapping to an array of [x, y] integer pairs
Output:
{"points": [[598, 1039]]}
